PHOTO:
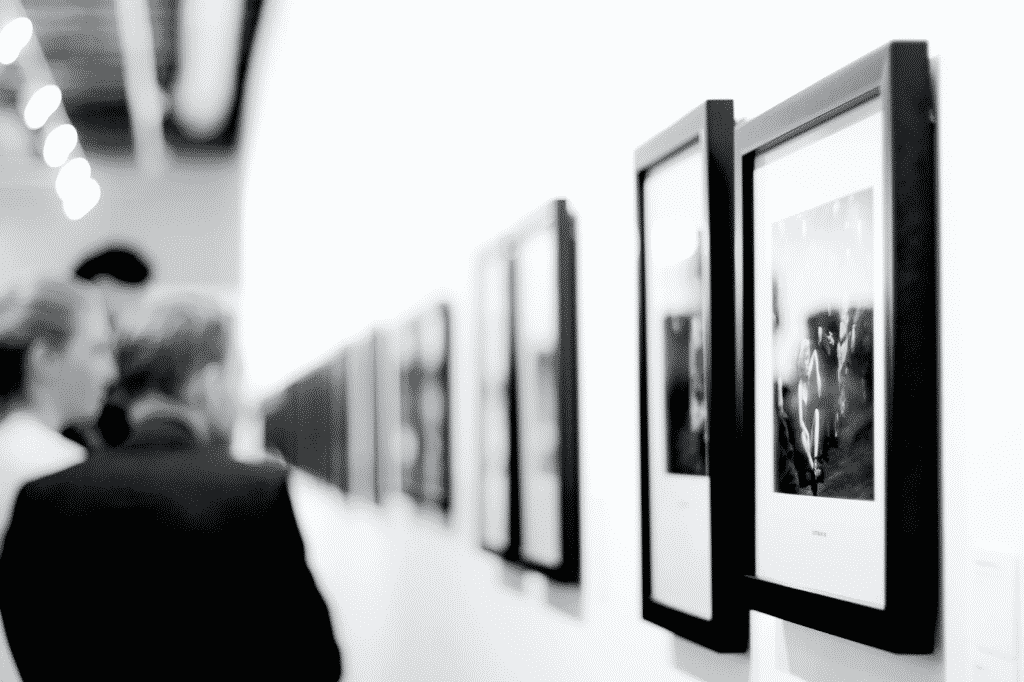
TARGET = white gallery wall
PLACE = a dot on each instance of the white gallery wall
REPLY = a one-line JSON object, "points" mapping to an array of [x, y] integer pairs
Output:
{"points": [[386, 142]]}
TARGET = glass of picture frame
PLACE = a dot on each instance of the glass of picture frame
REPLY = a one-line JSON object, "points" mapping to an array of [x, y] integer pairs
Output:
{"points": [[837, 322], [543, 284], [499, 490], [425, 407], [388, 417], [691, 568], [361, 404]]}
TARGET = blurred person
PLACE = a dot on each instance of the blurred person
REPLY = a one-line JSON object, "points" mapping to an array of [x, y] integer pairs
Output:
{"points": [[56, 364], [195, 565], [121, 276]]}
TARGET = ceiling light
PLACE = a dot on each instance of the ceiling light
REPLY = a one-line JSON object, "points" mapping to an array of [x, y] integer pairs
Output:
{"points": [[59, 144], [41, 105], [82, 199], [72, 174], [13, 37]]}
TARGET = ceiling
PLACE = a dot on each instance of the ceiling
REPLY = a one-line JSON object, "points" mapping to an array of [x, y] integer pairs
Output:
{"points": [[84, 45]]}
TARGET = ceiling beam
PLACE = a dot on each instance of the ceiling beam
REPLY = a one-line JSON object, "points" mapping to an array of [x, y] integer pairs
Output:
{"points": [[147, 103], [210, 36]]}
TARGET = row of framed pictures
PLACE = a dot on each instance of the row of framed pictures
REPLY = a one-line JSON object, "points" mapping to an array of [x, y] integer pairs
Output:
{"points": [[348, 419], [380, 403], [788, 373], [528, 427], [788, 354]]}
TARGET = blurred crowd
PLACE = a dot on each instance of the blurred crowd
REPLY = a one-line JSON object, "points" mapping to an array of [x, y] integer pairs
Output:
{"points": [[135, 546]]}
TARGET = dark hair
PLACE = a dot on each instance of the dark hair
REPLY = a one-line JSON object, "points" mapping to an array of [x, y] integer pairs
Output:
{"points": [[45, 311], [120, 263], [175, 340]]}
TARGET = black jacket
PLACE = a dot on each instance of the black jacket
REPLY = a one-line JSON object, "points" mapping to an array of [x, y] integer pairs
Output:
{"points": [[110, 430], [162, 559]]}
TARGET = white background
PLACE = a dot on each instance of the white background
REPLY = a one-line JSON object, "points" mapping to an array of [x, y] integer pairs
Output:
{"points": [[830, 546], [674, 213], [491, 111]]}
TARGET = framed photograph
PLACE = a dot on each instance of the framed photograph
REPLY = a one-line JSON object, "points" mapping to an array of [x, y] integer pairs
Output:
{"points": [[838, 325], [337, 369], [426, 406], [692, 569], [543, 282], [279, 426], [313, 422], [499, 489], [388, 427], [361, 413]]}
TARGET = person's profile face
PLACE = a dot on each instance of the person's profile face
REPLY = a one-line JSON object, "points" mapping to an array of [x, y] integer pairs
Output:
{"points": [[85, 369]]}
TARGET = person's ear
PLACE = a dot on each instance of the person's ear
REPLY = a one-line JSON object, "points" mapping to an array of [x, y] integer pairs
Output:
{"points": [[40, 359]]}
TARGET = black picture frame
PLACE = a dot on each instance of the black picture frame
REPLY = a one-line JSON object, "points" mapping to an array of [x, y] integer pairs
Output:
{"points": [[499, 253], [414, 375], [898, 74], [277, 427], [360, 408], [708, 131], [556, 217], [314, 429], [338, 372]]}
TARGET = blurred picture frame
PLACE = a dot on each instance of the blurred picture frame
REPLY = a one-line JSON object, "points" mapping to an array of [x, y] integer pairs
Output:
{"points": [[425, 404], [314, 427], [692, 569], [360, 400], [499, 480], [279, 426], [544, 377], [837, 324], [337, 369], [388, 431]]}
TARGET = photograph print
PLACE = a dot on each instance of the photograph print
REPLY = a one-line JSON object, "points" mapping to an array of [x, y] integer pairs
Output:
{"points": [[686, 407], [424, 405], [538, 379], [823, 295]]}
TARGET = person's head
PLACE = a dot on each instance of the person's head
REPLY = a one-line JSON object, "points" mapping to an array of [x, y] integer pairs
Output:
{"points": [[56, 351], [178, 350], [119, 273]]}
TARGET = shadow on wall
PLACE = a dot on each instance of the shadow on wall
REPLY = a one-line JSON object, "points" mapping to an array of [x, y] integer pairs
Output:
{"points": [[815, 656], [564, 597], [710, 666]]}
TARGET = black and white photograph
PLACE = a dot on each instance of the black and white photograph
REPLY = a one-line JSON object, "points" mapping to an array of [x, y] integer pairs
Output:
{"points": [[361, 414], [674, 233], [425, 407], [818, 274], [548, 341], [686, 404], [388, 432], [537, 355], [823, 298], [840, 347]]}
